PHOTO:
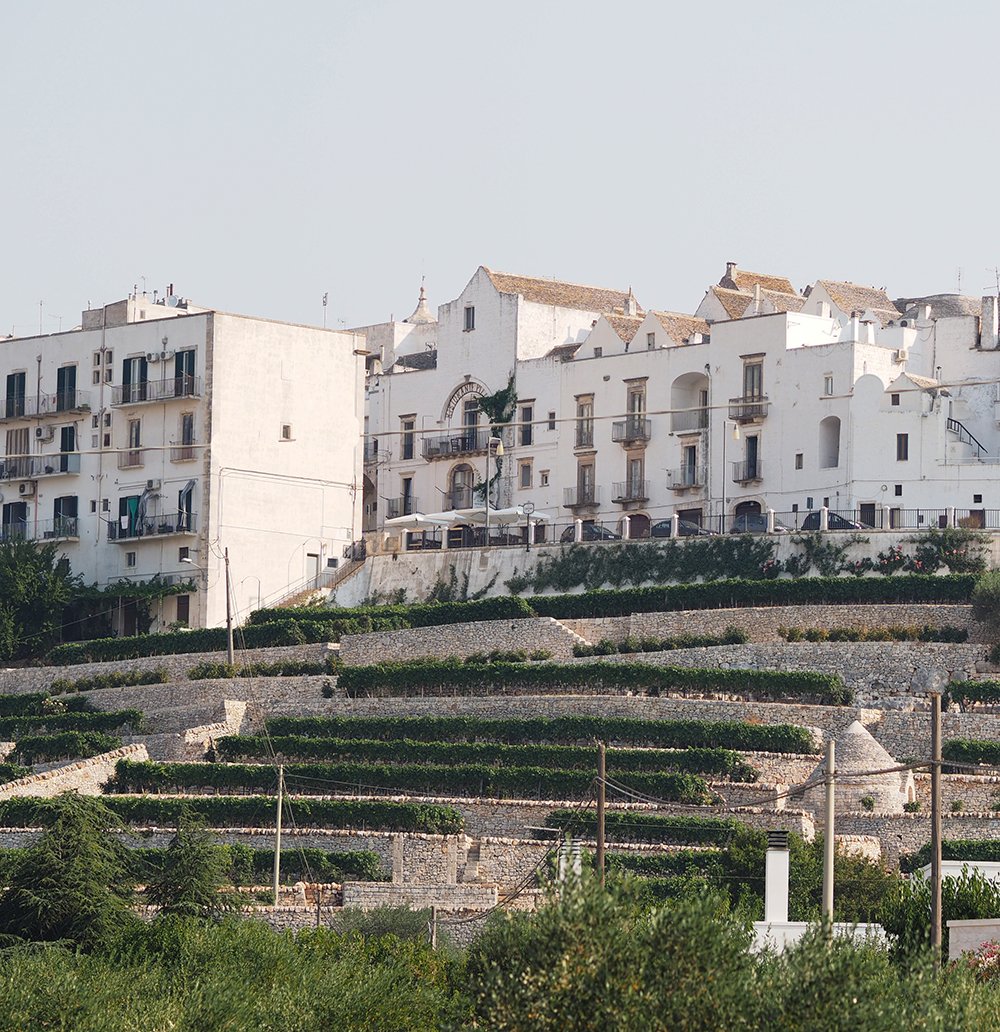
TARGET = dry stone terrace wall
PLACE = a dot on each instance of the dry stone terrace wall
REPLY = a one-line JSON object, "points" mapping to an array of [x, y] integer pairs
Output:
{"points": [[762, 624], [83, 776], [907, 832]]}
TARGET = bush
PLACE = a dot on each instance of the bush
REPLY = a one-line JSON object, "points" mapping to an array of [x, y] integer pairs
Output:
{"points": [[12, 772], [964, 750], [503, 607], [112, 679], [207, 670], [894, 633], [912, 807], [965, 693], [867, 802], [986, 601], [130, 720], [72, 745], [639, 826]]}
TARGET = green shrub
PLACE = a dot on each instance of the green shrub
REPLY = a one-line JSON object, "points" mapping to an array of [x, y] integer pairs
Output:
{"points": [[207, 670], [964, 750], [111, 679], [605, 647], [75, 745], [912, 807], [894, 633], [540, 655], [965, 693], [639, 826], [629, 644], [502, 607], [130, 721], [13, 771], [957, 805], [986, 850], [867, 802]]}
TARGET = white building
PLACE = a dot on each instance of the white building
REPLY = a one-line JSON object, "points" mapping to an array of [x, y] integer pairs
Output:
{"points": [[765, 398], [158, 431]]}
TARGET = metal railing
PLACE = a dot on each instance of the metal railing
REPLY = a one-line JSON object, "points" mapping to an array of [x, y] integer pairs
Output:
{"points": [[462, 442], [635, 428], [585, 434], [129, 529], [630, 491], [181, 453], [686, 476], [156, 390], [586, 495], [965, 437], [460, 498], [745, 471], [44, 405], [750, 407], [30, 467], [371, 450], [396, 507], [691, 419], [132, 458], [59, 528]]}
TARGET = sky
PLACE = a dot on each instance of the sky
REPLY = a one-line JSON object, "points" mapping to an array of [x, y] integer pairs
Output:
{"points": [[260, 155]]}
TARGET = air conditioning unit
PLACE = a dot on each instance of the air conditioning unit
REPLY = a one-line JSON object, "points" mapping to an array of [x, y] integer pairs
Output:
{"points": [[26, 490], [154, 485], [44, 433], [168, 581], [901, 355], [166, 356]]}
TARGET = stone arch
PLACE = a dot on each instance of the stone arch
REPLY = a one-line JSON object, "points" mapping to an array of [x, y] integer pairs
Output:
{"points": [[829, 442], [638, 525], [461, 480], [469, 388]]}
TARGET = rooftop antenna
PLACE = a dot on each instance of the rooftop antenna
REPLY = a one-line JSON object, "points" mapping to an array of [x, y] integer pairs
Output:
{"points": [[40, 303], [326, 297], [143, 278], [59, 317], [960, 279]]}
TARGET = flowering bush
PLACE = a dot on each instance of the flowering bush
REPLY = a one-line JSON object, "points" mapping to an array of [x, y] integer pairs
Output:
{"points": [[891, 560], [984, 962]]}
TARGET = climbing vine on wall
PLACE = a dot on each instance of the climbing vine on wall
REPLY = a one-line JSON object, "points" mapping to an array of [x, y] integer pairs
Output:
{"points": [[499, 409]]}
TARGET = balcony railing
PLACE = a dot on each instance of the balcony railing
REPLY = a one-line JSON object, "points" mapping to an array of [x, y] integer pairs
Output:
{"points": [[131, 459], [65, 527], [632, 429], [181, 453], [748, 408], [691, 419], [461, 498], [45, 405], [630, 491], [396, 507], [30, 467], [129, 529], [586, 495], [685, 477], [371, 451], [156, 390], [462, 442], [744, 472], [585, 434]]}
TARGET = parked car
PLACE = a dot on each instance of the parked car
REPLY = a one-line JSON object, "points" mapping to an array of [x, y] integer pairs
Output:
{"points": [[591, 532], [685, 528], [755, 523], [833, 522]]}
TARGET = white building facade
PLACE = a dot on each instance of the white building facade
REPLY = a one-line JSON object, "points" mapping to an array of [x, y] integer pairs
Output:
{"points": [[158, 435]]}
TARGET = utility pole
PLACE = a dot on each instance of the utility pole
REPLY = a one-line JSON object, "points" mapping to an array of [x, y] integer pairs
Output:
{"points": [[277, 833], [229, 617], [600, 809], [936, 828], [828, 836]]}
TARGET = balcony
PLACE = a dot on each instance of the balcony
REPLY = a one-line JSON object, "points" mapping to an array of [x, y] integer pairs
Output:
{"points": [[585, 434], [689, 421], [33, 467], [751, 409], [371, 451], [171, 525], [132, 459], [686, 478], [630, 430], [630, 491], [156, 390], [460, 498], [396, 507], [45, 405], [748, 472], [463, 442], [65, 528], [588, 494], [179, 453]]}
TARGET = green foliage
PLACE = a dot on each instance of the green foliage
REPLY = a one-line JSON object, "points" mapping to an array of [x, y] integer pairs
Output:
{"points": [[738, 594], [111, 679], [449, 591], [35, 588], [641, 826], [960, 550], [449, 677], [207, 670], [390, 617], [13, 771], [912, 807], [952, 849], [964, 750], [825, 554], [66, 745], [986, 601], [576, 730], [72, 884], [129, 721], [469, 779], [631, 644], [965, 693], [893, 633]]}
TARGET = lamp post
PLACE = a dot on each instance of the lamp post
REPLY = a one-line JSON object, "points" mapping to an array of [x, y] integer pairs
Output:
{"points": [[493, 441], [229, 610], [736, 437]]}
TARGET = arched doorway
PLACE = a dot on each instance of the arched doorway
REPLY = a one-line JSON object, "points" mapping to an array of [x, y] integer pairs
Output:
{"points": [[460, 485], [744, 508], [638, 525]]}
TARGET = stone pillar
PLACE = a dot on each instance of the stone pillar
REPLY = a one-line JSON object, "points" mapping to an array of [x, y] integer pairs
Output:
{"points": [[578, 530], [675, 525], [770, 521], [824, 519]]}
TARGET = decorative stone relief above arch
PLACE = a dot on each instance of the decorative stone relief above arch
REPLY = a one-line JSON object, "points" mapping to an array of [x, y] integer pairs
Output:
{"points": [[460, 392]]}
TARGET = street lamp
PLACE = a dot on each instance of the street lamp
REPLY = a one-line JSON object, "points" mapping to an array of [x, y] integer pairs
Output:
{"points": [[736, 437], [492, 442], [229, 610]]}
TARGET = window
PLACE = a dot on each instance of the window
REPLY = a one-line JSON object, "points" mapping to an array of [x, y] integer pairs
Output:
{"points": [[543, 478], [64, 516], [105, 505], [15, 395], [108, 357], [470, 318], [135, 375], [107, 419], [286, 431], [898, 491], [650, 341], [183, 553], [93, 505], [96, 377], [184, 382], [107, 440], [828, 385], [826, 503], [552, 421], [407, 496], [753, 380], [585, 421], [470, 421], [66, 388], [585, 484], [130, 560], [183, 609], [524, 475], [135, 442], [108, 374], [95, 441], [636, 405], [598, 352], [902, 447], [798, 460], [95, 422], [406, 445], [97, 358], [894, 399], [525, 431], [977, 499]]}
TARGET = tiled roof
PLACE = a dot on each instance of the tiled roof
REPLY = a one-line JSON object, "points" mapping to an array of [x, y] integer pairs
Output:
{"points": [[943, 306], [734, 301], [849, 297], [922, 381], [418, 360], [625, 325], [745, 282], [565, 295], [681, 328], [784, 302], [565, 351]]}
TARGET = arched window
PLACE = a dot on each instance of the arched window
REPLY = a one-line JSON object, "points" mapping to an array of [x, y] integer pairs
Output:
{"points": [[829, 442]]}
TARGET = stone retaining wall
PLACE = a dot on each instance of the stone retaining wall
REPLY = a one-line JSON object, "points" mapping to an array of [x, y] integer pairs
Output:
{"points": [[762, 624], [460, 639], [782, 768], [978, 793], [907, 832], [83, 776]]}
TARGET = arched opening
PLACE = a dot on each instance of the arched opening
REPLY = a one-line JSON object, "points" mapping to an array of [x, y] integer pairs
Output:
{"points": [[829, 442], [638, 525], [911, 795], [745, 508], [461, 481], [689, 402]]}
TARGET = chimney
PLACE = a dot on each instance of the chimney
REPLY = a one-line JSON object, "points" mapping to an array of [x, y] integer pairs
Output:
{"points": [[730, 270], [776, 878], [631, 306], [988, 325]]}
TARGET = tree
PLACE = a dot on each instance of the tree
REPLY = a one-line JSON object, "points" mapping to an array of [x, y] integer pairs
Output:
{"points": [[74, 883], [193, 872], [986, 602], [35, 586]]}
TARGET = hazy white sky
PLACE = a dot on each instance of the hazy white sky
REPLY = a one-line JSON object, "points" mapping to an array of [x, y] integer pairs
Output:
{"points": [[259, 154]]}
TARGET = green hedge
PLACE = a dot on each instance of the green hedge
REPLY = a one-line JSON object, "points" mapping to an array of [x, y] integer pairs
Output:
{"points": [[683, 863], [647, 643], [893, 633], [964, 750], [737, 594], [209, 639], [622, 731], [296, 749], [13, 728], [501, 607], [76, 745], [446, 677], [468, 780], [987, 850], [259, 812], [11, 772], [17, 705], [207, 670], [967, 692], [112, 679], [636, 826]]}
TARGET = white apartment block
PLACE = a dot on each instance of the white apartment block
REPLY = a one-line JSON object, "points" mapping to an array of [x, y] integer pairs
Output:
{"points": [[158, 431], [766, 398]]}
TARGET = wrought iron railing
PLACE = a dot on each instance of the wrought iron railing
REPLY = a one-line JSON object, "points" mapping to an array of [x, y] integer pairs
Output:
{"points": [[630, 491], [128, 528], [156, 390], [632, 429]]}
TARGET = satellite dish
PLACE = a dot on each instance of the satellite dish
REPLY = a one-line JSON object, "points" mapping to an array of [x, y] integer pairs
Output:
{"points": [[172, 300]]}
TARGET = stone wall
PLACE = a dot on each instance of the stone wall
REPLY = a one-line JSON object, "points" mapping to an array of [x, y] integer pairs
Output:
{"points": [[978, 793], [461, 639], [907, 832], [762, 624], [83, 776], [192, 745], [782, 768]]}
